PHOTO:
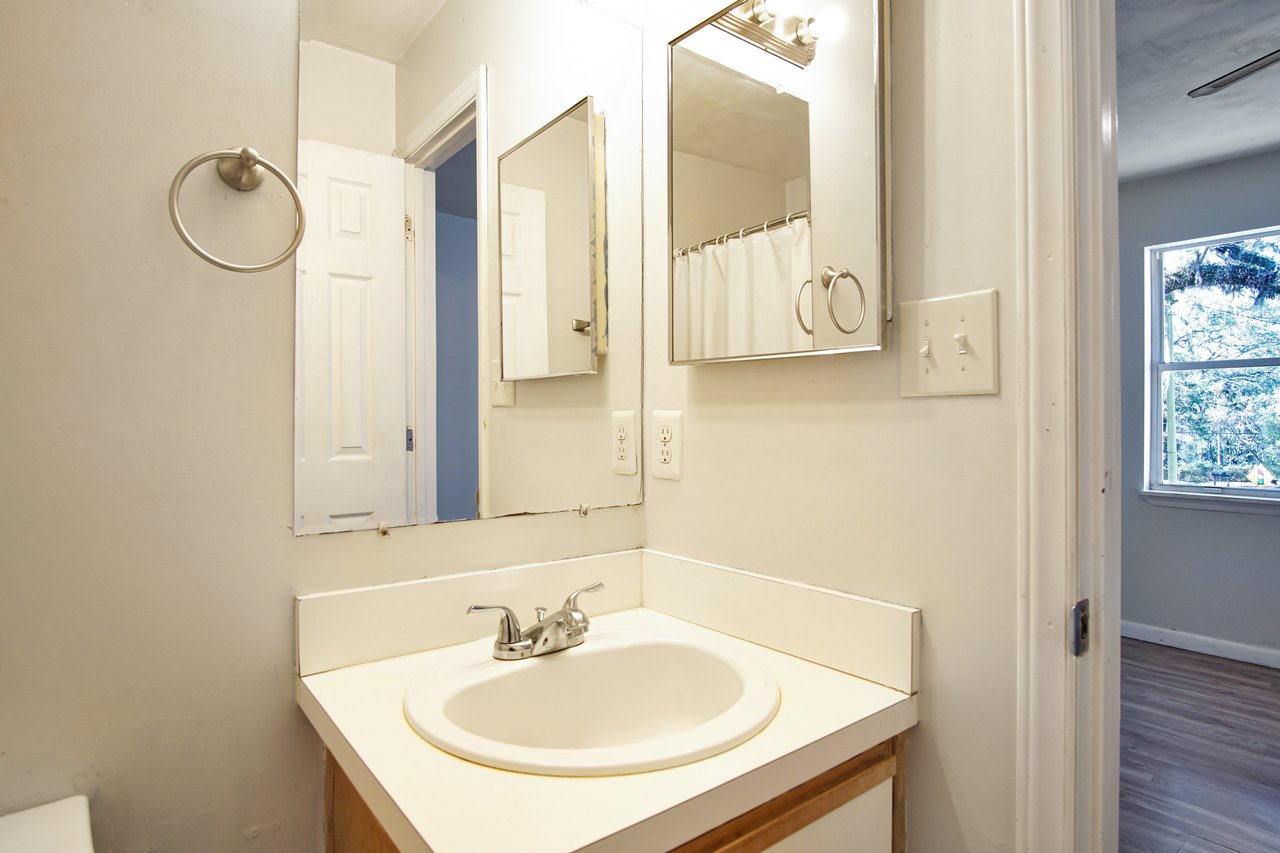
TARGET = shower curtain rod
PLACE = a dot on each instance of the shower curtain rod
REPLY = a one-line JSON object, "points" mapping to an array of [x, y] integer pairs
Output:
{"points": [[742, 232]]}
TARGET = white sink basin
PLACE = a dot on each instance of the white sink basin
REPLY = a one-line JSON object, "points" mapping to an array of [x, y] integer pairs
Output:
{"points": [[616, 704]]}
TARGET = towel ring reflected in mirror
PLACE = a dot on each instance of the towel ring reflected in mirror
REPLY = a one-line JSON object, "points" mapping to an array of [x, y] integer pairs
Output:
{"points": [[242, 169], [831, 277], [808, 330]]}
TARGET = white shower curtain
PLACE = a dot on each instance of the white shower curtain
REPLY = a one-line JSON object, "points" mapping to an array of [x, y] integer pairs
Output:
{"points": [[737, 296]]}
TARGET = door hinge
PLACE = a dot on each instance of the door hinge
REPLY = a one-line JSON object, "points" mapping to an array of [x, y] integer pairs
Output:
{"points": [[408, 227], [1080, 627], [408, 438]]}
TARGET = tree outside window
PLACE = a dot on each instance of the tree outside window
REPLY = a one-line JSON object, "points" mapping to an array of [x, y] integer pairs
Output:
{"points": [[1214, 383]]}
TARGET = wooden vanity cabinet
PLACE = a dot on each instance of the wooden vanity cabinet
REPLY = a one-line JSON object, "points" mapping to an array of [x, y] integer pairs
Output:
{"points": [[863, 800], [349, 825]]}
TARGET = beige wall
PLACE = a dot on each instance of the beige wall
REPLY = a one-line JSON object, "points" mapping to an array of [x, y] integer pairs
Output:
{"points": [[148, 567], [345, 98], [716, 198], [815, 468]]}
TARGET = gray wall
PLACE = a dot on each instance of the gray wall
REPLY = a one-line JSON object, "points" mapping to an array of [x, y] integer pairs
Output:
{"points": [[1215, 574]]}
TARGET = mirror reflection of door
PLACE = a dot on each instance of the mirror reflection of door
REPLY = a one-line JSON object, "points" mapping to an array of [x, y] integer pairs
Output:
{"points": [[351, 340], [524, 281], [387, 384]]}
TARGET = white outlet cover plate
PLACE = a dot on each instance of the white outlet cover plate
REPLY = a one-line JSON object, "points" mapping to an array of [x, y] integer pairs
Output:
{"points": [[624, 440], [503, 394], [944, 370], [668, 422]]}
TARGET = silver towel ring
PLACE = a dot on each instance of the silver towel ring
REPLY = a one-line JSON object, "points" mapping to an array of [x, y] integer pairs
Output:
{"points": [[241, 169], [808, 330], [829, 279]]}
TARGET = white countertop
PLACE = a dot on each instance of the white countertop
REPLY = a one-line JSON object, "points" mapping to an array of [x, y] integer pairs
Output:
{"points": [[60, 827], [428, 799]]}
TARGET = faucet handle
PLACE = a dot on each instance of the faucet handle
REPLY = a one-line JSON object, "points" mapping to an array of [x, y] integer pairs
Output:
{"points": [[508, 626], [571, 603]]}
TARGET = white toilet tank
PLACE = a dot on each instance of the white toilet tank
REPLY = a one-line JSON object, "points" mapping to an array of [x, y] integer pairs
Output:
{"points": [[61, 827]]}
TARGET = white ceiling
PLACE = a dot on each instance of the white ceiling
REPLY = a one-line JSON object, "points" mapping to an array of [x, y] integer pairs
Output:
{"points": [[727, 116], [1166, 48], [383, 29]]}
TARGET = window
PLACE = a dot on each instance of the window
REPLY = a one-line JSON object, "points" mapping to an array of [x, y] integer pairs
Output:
{"points": [[1213, 386]]}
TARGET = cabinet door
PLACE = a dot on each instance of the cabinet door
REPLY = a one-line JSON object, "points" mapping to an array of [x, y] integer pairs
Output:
{"points": [[862, 825]]}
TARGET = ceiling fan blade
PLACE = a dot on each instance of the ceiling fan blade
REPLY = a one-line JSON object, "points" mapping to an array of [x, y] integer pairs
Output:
{"points": [[1235, 76]]}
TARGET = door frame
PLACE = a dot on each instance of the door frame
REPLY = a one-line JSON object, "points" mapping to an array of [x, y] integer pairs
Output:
{"points": [[1068, 425], [460, 118]]}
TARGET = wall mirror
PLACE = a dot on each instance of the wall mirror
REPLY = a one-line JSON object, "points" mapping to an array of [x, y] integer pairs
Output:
{"points": [[554, 306], [778, 207], [407, 408]]}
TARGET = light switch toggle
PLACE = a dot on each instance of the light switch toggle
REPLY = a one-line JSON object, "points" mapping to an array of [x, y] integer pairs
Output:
{"points": [[927, 349], [962, 343]]}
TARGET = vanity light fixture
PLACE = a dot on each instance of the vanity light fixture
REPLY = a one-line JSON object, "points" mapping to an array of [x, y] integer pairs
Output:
{"points": [[771, 26]]}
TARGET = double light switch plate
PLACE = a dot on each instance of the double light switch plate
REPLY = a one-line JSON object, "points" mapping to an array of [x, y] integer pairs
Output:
{"points": [[949, 345]]}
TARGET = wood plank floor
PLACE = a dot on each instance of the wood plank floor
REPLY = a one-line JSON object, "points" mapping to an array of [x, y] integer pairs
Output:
{"points": [[1199, 753]]}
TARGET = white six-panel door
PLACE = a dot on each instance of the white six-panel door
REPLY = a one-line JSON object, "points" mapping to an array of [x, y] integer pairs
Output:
{"points": [[351, 463], [525, 346]]}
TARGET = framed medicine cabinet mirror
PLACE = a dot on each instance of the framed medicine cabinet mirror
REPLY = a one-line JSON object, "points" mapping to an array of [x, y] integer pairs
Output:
{"points": [[778, 206], [554, 319], [432, 382]]}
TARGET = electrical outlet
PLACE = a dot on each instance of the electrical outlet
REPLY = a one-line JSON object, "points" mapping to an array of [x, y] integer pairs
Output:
{"points": [[503, 393], [624, 443], [669, 446]]}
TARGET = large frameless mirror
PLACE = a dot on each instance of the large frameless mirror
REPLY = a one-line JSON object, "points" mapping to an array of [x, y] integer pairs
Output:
{"points": [[778, 208], [406, 406]]}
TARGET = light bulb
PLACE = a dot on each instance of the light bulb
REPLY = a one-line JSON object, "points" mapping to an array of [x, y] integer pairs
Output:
{"points": [[809, 31], [765, 11]]}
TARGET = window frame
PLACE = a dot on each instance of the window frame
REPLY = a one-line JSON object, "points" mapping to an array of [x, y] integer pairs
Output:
{"points": [[1246, 498]]}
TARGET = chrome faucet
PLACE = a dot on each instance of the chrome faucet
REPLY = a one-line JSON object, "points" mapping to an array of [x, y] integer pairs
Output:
{"points": [[553, 632]]}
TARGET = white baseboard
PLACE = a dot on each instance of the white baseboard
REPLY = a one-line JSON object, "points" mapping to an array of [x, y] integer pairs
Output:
{"points": [[1199, 643]]}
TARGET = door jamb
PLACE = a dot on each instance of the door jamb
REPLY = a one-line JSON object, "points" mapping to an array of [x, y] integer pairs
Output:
{"points": [[1067, 740], [437, 138]]}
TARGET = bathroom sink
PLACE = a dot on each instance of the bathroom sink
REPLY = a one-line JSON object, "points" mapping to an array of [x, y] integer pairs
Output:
{"points": [[616, 704]]}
